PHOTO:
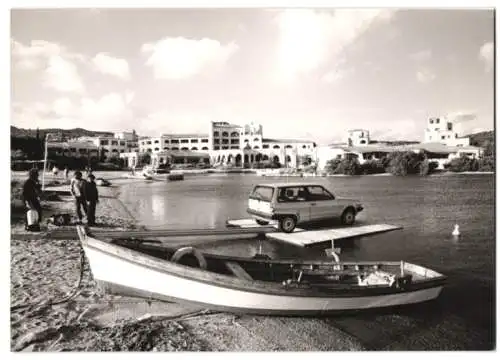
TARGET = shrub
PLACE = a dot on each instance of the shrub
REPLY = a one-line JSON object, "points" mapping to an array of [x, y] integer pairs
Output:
{"points": [[487, 164], [343, 166], [428, 167], [406, 163], [372, 167], [463, 163]]}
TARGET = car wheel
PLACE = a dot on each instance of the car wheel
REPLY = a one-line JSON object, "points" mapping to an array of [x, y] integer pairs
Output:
{"points": [[262, 222], [348, 217], [287, 224]]}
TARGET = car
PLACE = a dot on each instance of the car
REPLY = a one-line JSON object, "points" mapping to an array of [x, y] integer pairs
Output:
{"points": [[296, 203]]}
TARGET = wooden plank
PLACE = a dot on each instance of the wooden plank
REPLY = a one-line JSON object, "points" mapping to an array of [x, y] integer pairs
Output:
{"points": [[307, 238], [237, 270]]}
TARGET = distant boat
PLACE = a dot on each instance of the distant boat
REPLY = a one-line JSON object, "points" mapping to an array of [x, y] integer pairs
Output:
{"points": [[148, 269]]}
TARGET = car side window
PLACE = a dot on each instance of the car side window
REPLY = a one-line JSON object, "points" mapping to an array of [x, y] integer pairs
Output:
{"points": [[292, 194], [319, 193]]}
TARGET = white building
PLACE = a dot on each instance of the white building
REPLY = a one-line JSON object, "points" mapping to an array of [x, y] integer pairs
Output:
{"points": [[357, 137], [230, 144], [73, 148], [440, 130]]}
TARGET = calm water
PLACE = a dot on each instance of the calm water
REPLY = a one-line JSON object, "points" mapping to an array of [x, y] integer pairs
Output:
{"points": [[427, 209]]}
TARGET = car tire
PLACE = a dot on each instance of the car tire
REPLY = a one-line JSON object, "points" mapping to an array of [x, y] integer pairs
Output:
{"points": [[287, 224], [262, 222], [348, 217]]}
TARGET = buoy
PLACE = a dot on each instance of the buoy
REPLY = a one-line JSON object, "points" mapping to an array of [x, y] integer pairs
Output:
{"points": [[456, 231]]}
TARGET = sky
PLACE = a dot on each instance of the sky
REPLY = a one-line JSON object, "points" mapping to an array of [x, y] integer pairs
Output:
{"points": [[301, 73]]}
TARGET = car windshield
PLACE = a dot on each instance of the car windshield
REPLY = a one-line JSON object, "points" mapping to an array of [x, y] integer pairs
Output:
{"points": [[264, 193]]}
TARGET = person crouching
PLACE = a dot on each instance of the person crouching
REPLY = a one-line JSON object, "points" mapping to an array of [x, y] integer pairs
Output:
{"points": [[77, 189], [92, 199]]}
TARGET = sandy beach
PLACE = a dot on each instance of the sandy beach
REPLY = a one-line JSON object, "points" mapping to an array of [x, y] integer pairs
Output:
{"points": [[45, 271]]}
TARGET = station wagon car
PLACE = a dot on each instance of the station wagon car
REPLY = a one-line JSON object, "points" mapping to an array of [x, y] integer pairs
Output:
{"points": [[296, 203]]}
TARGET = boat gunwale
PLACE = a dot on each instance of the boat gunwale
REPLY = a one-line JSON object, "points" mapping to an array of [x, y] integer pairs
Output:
{"points": [[255, 286]]}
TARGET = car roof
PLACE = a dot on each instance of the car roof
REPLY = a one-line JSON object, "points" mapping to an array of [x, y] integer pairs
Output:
{"points": [[288, 184]]}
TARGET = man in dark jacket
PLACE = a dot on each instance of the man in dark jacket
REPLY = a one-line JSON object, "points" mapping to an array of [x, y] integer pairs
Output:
{"points": [[92, 199], [78, 189], [31, 194]]}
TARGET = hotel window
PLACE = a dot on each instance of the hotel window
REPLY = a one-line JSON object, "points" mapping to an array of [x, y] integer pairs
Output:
{"points": [[114, 142], [175, 141], [225, 141], [265, 146], [246, 141], [437, 121], [184, 148], [235, 133], [166, 148], [225, 147], [276, 147], [204, 140], [122, 143], [216, 133], [303, 146], [225, 133], [122, 151], [194, 140], [72, 149], [184, 141], [149, 142], [443, 137], [235, 141], [450, 126], [204, 148], [157, 141], [256, 147], [217, 141], [149, 150], [156, 149], [235, 147], [288, 146], [431, 121], [216, 147], [256, 139], [175, 148], [194, 148], [104, 142]]}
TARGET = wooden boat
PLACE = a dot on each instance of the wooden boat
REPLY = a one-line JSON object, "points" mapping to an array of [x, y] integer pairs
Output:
{"points": [[139, 175], [149, 270]]}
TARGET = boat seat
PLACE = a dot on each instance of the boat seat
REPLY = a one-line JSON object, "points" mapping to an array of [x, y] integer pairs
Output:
{"points": [[238, 271]]}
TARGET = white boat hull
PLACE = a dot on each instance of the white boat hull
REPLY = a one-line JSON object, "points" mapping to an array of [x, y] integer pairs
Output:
{"points": [[152, 282]]}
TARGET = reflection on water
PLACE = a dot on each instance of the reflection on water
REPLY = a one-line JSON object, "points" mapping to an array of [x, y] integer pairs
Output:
{"points": [[427, 208]]}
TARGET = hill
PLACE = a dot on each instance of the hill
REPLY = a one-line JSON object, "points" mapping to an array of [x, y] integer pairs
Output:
{"points": [[486, 140], [65, 133]]}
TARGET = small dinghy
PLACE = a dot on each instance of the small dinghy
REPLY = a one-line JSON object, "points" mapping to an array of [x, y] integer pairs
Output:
{"points": [[147, 268]]}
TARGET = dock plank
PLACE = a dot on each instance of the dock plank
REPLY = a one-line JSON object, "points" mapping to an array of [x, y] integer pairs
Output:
{"points": [[307, 238]]}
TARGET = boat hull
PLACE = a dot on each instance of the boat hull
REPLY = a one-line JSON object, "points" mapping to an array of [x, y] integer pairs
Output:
{"points": [[125, 276]]}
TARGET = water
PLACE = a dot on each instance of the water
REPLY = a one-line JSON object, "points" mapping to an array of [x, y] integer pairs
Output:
{"points": [[427, 208]]}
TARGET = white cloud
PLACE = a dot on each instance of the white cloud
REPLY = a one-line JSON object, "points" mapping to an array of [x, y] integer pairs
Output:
{"points": [[110, 112], [60, 71], [111, 66], [62, 75], [421, 56], [308, 37], [486, 55], [425, 75], [178, 58]]}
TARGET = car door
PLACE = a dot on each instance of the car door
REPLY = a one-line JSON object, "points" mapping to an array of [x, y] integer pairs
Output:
{"points": [[322, 202], [292, 200]]}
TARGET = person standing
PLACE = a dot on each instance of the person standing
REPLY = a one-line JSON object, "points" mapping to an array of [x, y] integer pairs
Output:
{"points": [[92, 199], [77, 189], [31, 196], [66, 173]]}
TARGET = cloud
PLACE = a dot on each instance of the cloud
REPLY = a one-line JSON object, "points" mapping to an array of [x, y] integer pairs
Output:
{"points": [[60, 71], [425, 75], [178, 58], [109, 112], [486, 55], [461, 116], [111, 66], [308, 38], [62, 75], [421, 56], [404, 129]]}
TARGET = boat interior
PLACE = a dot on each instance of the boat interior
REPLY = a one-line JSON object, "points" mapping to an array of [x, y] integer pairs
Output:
{"points": [[292, 272]]}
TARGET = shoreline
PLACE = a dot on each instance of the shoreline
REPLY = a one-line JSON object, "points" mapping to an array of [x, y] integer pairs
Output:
{"points": [[45, 270]]}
